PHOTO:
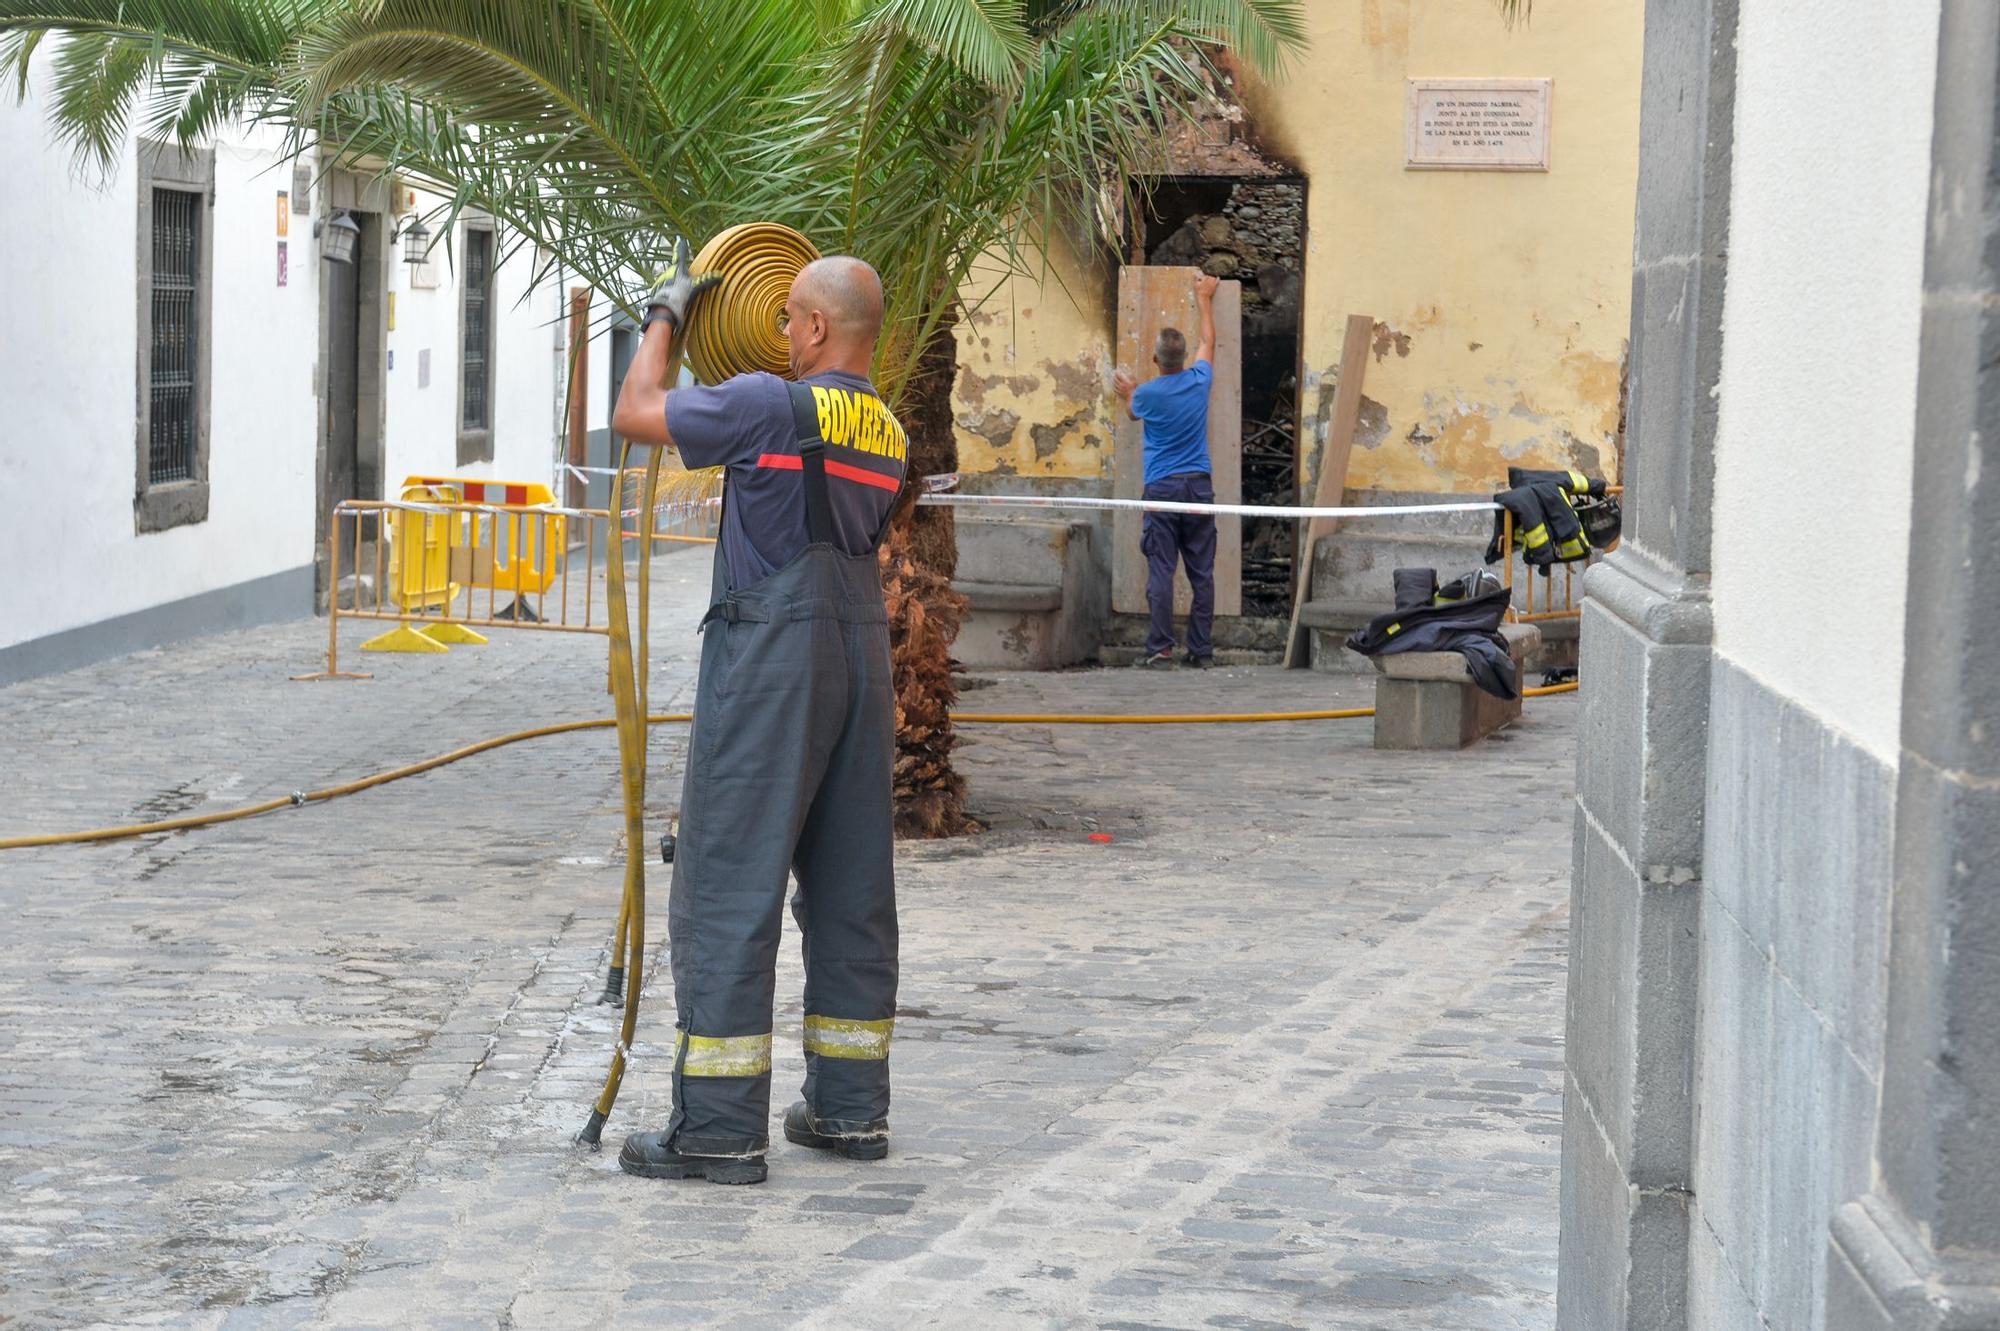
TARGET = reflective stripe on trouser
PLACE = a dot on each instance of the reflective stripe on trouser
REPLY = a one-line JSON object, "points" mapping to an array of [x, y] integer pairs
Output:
{"points": [[788, 772], [845, 1058]]}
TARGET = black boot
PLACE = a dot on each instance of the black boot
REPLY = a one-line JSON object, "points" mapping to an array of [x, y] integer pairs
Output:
{"points": [[647, 1155], [801, 1129]]}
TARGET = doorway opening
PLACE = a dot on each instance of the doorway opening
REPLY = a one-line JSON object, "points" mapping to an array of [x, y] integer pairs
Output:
{"points": [[1250, 230], [353, 363]]}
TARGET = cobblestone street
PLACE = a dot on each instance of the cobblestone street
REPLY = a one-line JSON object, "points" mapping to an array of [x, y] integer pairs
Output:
{"points": [[1285, 1053]]}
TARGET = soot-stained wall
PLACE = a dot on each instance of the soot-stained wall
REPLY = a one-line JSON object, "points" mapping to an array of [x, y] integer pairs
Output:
{"points": [[1502, 299]]}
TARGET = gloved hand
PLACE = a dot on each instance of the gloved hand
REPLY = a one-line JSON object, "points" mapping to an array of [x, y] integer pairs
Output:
{"points": [[678, 290]]}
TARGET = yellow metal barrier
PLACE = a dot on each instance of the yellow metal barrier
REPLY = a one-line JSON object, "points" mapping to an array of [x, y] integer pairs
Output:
{"points": [[505, 551], [420, 581], [414, 561], [1571, 604]]}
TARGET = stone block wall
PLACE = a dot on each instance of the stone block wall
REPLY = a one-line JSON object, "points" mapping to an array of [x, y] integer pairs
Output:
{"points": [[1795, 923]]}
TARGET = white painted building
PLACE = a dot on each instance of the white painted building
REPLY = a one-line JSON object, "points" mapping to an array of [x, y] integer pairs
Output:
{"points": [[188, 386], [1783, 1040]]}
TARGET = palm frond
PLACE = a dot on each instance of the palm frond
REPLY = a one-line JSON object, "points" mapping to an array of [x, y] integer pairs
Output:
{"points": [[196, 63], [1265, 33], [987, 39], [927, 136]]}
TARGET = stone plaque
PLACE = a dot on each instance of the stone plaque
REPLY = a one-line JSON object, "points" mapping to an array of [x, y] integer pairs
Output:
{"points": [[1478, 125]]}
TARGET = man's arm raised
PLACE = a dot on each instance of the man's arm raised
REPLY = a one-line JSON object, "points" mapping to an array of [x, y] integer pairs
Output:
{"points": [[1204, 297], [1123, 383], [641, 413]]}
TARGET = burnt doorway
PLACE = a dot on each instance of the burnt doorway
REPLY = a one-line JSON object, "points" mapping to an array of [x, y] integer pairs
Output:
{"points": [[1252, 230]]}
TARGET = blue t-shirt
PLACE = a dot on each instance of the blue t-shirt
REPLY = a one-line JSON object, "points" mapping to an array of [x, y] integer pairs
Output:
{"points": [[746, 425], [1174, 410]]}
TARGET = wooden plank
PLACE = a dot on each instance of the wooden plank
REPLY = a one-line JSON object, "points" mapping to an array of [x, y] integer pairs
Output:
{"points": [[575, 486], [1150, 299], [1332, 483]]}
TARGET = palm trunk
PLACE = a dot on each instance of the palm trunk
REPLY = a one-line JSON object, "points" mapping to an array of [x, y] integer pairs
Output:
{"points": [[918, 561]]}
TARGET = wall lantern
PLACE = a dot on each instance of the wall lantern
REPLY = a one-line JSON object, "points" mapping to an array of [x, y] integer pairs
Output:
{"points": [[416, 242], [338, 236]]}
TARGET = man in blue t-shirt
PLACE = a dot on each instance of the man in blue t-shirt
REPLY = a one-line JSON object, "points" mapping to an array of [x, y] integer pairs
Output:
{"points": [[1174, 410]]}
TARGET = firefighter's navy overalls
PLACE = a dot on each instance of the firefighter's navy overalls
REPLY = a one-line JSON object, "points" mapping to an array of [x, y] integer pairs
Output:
{"points": [[788, 772]]}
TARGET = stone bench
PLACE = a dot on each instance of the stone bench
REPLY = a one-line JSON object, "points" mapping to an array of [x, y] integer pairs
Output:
{"points": [[1025, 582], [1427, 700], [1328, 622]]}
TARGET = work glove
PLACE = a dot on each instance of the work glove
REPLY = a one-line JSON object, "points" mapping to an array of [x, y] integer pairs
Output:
{"points": [[678, 290]]}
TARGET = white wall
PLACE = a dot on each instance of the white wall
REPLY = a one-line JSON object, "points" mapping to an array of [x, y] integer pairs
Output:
{"points": [[1819, 362], [421, 435], [68, 386], [68, 376]]}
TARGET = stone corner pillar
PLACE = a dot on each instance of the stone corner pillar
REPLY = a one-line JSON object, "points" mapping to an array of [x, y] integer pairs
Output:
{"points": [[1643, 746], [1921, 1251]]}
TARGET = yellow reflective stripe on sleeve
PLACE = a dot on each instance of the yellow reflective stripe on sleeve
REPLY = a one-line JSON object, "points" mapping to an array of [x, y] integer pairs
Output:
{"points": [[1579, 483], [837, 1037], [1536, 537], [723, 1056]]}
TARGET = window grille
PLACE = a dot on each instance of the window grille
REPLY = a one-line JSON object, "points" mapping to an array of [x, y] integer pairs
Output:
{"points": [[478, 331], [176, 338]]}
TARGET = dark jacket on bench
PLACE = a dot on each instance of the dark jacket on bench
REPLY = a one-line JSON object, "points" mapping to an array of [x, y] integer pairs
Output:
{"points": [[1470, 627]]}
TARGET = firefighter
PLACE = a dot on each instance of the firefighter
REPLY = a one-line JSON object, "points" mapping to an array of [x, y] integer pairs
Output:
{"points": [[790, 760]]}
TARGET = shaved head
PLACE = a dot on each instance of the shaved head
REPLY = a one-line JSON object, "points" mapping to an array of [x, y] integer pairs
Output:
{"points": [[834, 314], [847, 290]]}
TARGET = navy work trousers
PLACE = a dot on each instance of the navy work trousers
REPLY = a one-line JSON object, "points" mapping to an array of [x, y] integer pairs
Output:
{"points": [[1180, 538], [789, 773]]}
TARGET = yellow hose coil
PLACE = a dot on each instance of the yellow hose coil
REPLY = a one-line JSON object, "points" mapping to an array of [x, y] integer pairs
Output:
{"points": [[735, 328]]}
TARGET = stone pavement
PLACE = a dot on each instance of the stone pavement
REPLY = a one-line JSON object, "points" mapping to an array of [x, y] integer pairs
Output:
{"points": [[1285, 1053]]}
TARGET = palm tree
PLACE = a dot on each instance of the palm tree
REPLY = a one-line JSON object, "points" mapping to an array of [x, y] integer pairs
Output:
{"points": [[922, 135]]}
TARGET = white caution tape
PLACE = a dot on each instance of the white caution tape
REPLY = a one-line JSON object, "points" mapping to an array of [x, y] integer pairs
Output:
{"points": [[937, 494], [1172, 506], [525, 510], [505, 511], [932, 484]]}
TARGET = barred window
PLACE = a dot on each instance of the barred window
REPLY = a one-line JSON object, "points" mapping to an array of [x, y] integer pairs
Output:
{"points": [[176, 341], [176, 199], [475, 392]]}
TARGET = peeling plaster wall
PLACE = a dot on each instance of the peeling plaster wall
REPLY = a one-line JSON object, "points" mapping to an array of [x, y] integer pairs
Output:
{"points": [[1033, 396], [1501, 298]]}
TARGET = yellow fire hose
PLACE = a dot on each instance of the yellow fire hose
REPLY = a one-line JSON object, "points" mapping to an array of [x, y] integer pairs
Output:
{"points": [[305, 797], [628, 697], [738, 329], [738, 333]]}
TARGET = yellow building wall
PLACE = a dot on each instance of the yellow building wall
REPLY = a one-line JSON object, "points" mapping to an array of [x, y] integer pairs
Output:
{"points": [[1033, 396], [1501, 298]]}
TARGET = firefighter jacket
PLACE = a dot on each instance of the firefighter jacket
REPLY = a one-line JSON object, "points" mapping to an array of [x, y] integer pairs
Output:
{"points": [[1427, 620], [1559, 517]]}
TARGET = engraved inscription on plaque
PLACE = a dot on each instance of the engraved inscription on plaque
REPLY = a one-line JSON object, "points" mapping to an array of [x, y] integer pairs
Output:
{"points": [[1478, 125]]}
